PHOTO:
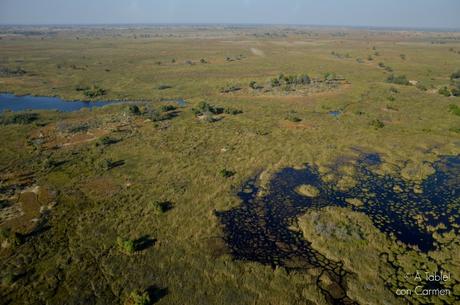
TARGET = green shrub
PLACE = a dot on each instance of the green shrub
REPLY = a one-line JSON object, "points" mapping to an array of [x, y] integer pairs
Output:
{"points": [[126, 245], [134, 109], [454, 109], [160, 207], [8, 279], [377, 124], [18, 118], [9, 239], [275, 82], [292, 116], [254, 85], [226, 173], [94, 91], [403, 56], [204, 107], [394, 90], [303, 79], [329, 76], [233, 111], [444, 91], [157, 116], [399, 80], [166, 108], [137, 297]]}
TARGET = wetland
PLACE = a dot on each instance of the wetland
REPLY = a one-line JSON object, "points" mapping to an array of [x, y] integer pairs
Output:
{"points": [[243, 165]]}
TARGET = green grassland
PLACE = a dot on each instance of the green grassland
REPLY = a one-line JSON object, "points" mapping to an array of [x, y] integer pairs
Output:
{"points": [[137, 213]]}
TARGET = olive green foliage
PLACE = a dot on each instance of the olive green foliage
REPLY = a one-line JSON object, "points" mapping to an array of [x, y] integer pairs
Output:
{"points": [[454, 109], [134, 109], [226, 173], [444, 91], [18, 118], [160, 207], [254, 85], [205, 107], [137, 297], [399, 80], [9, 239], [126, 245], [94, 91], [233, 111], [377, 124], [166, 108], [180, 160], [293, 117]]}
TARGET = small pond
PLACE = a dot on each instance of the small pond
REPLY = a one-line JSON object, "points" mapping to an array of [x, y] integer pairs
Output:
{"points": [[27, 102], [11, 102]]}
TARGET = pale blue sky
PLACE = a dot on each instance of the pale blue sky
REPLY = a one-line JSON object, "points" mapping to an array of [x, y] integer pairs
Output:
{"points": [[397, 13]]}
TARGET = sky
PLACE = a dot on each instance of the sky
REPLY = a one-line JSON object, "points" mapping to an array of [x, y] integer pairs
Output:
{"points": [[378, 13]]}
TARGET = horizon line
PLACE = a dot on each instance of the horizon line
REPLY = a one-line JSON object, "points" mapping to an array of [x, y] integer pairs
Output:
{"points": [[255, 24]]}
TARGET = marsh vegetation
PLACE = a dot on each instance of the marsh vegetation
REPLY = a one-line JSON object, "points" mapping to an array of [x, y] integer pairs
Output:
{"points": [[288, 176]]}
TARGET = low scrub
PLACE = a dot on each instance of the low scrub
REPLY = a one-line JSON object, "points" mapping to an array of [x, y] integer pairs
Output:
{"points": [[377, 124], [137, 297], [18, 118], [205, 107], [226, 173], [94, 91], [292, 116], [454, 109], [444, 91], [126, 246], [230, 88], [399, 80]]}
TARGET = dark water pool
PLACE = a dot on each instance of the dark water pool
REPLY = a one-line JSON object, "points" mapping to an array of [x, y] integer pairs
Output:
{"points": [[258, 230], [28, 102]]}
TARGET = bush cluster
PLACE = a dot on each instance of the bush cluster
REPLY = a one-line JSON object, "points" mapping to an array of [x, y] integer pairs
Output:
{"points": [[18, 118], [399, 80], [291, 80]]}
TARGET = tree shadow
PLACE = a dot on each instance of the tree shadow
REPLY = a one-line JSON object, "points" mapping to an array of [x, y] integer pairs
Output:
{"points": [[165, 206], [144, 242], [156, 293]]}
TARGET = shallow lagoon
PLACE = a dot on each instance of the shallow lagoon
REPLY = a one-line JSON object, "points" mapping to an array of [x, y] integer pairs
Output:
{"points": [[27, 102], [11, 102]]}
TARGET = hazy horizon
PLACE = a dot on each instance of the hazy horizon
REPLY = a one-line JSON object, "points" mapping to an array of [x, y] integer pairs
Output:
{"points": [[442, 14]]}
